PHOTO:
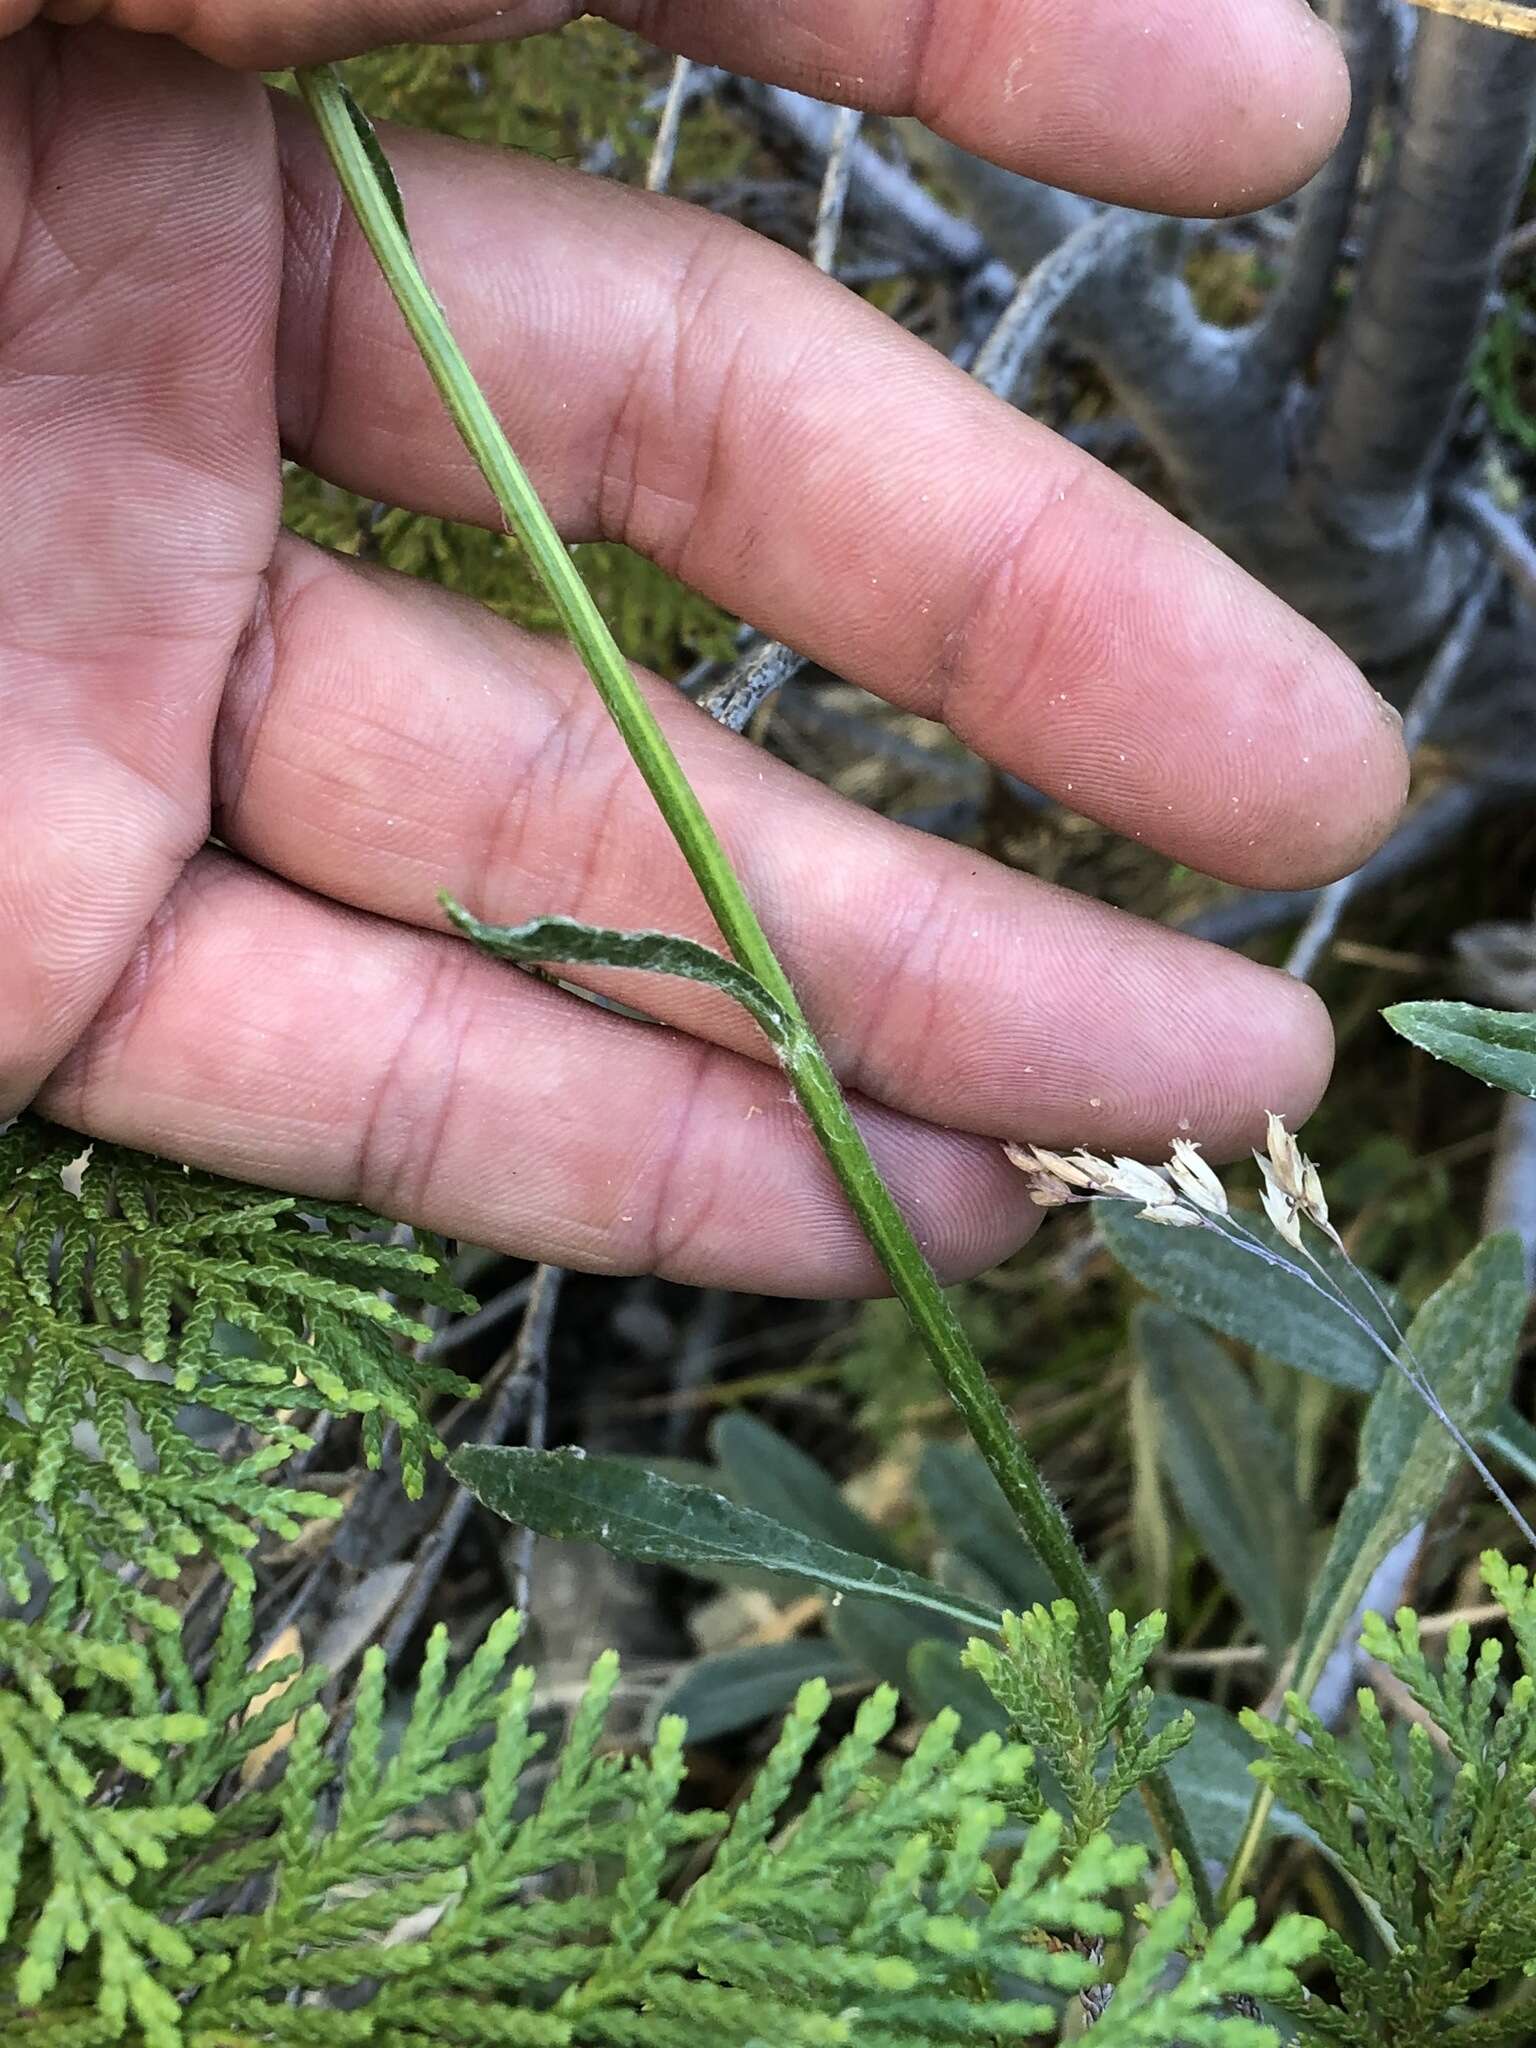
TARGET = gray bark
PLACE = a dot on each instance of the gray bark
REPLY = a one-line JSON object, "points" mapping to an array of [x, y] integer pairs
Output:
{"points": [[1327, 495]]}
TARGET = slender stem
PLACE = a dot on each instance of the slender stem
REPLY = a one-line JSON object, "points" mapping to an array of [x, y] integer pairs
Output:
{"points": [[659, 171], [806, 1064], [834, 189]]}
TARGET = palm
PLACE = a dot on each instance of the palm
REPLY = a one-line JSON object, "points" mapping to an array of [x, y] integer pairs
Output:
{"points": [[141, 258], [175, 292]]}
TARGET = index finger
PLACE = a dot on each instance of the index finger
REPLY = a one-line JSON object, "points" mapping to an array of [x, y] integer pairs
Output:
{"points": [[1185, 106]]}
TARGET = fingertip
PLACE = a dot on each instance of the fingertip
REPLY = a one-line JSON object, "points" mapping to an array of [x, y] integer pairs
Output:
{"points": [[1304, 1049], [1199, 107], [1311, 92], [1348, 780], [1267, 114], [1279, 1047], [1275, 99]]}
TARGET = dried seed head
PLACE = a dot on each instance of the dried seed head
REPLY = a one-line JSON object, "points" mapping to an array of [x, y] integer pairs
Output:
{"points": [[1195, 1180], [1175, 1215], [1314, 1202], [1081, 1170], [1285, 1157], [1280, 1206], [1046, 1188], [1133, 1182]]}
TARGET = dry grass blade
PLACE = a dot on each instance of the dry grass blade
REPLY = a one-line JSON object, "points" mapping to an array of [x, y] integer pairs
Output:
{"points": [[1513, 16]]}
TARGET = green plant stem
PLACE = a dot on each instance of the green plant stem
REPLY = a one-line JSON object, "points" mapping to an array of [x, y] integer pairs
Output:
{"points": [[1304, 1684], [1247, 1848], [811, 1075]]}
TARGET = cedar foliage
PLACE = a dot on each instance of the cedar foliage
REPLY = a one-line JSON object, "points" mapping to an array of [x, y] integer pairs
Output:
{"points": [[134, 1293]]}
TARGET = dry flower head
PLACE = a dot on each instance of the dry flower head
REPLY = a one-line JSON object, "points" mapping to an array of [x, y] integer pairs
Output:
{"points": [[1185, 1192]]}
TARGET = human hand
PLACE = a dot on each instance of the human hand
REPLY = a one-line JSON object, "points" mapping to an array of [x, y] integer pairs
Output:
{"points": [[180, 293]]}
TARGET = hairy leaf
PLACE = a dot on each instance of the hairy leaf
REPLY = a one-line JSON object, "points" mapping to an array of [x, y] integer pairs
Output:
{"points": [[1496, 1046], [564, 942], [637, 1514], [1218, 1283], [772, 1475], [1231, 1470]]}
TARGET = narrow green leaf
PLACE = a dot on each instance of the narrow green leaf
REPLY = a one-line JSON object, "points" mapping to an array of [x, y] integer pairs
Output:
{"points": [[638, 1514], [1230, 1468], [1218, 1283], [1464, 1338], [738, 1688], [383, 170], [972, 1518], [1496, 1046], [768, 1473], [565, 942]]}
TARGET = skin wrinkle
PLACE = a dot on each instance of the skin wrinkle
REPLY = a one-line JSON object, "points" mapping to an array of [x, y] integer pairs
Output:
{"points": [[676, 1196], [924, 21], [993, 596], [101, 1046], [629, 505], [308, 289], [246, 699], [397, 1177], [857, 1060]]}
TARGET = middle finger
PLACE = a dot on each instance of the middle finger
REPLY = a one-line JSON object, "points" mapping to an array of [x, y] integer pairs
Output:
{"points": [[677, 383]]}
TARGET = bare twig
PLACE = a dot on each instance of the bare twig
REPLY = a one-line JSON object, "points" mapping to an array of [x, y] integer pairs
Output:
{"points": [[1503, 534], [1448, 198], [658, 172], [879, 190], [1428, 701], [1514, 17], [1014, 344], [1297, 314], [741, 693], [530, 1364], [835, 181], [489, 1317], [522, 1383]]}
